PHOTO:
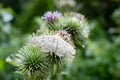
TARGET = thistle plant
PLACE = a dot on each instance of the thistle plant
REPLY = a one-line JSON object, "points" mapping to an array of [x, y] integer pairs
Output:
{"points": [[37, 59], [51, 47], [73, 23]]}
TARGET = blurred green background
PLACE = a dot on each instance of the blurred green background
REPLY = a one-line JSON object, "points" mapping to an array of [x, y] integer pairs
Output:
{"points": [[100, 60]]}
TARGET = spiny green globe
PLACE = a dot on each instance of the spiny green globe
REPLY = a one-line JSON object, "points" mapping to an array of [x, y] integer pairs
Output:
{"points": [[30, 61]]}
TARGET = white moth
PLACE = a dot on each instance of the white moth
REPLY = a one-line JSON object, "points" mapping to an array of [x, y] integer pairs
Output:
{"points": [[53, 43]]}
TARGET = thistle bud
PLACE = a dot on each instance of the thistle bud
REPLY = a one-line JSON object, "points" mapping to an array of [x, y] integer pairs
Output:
{"points": [[50, 16]]}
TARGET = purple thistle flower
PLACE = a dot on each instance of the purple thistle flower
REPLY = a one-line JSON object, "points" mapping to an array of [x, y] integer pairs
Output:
{"points": [[65, 35], [50, 16]]}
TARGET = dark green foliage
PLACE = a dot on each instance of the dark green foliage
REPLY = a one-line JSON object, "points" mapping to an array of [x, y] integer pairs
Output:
{"points": [[30, 11]]}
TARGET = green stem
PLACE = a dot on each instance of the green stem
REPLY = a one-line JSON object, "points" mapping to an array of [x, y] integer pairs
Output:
{"points": [[55, 71], [32, 77]]}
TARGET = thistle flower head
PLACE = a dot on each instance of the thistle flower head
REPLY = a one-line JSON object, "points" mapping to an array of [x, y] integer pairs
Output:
{"points": [[64, 35], [50, 16], [76, 25], [30, 61], [77, 15]]}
